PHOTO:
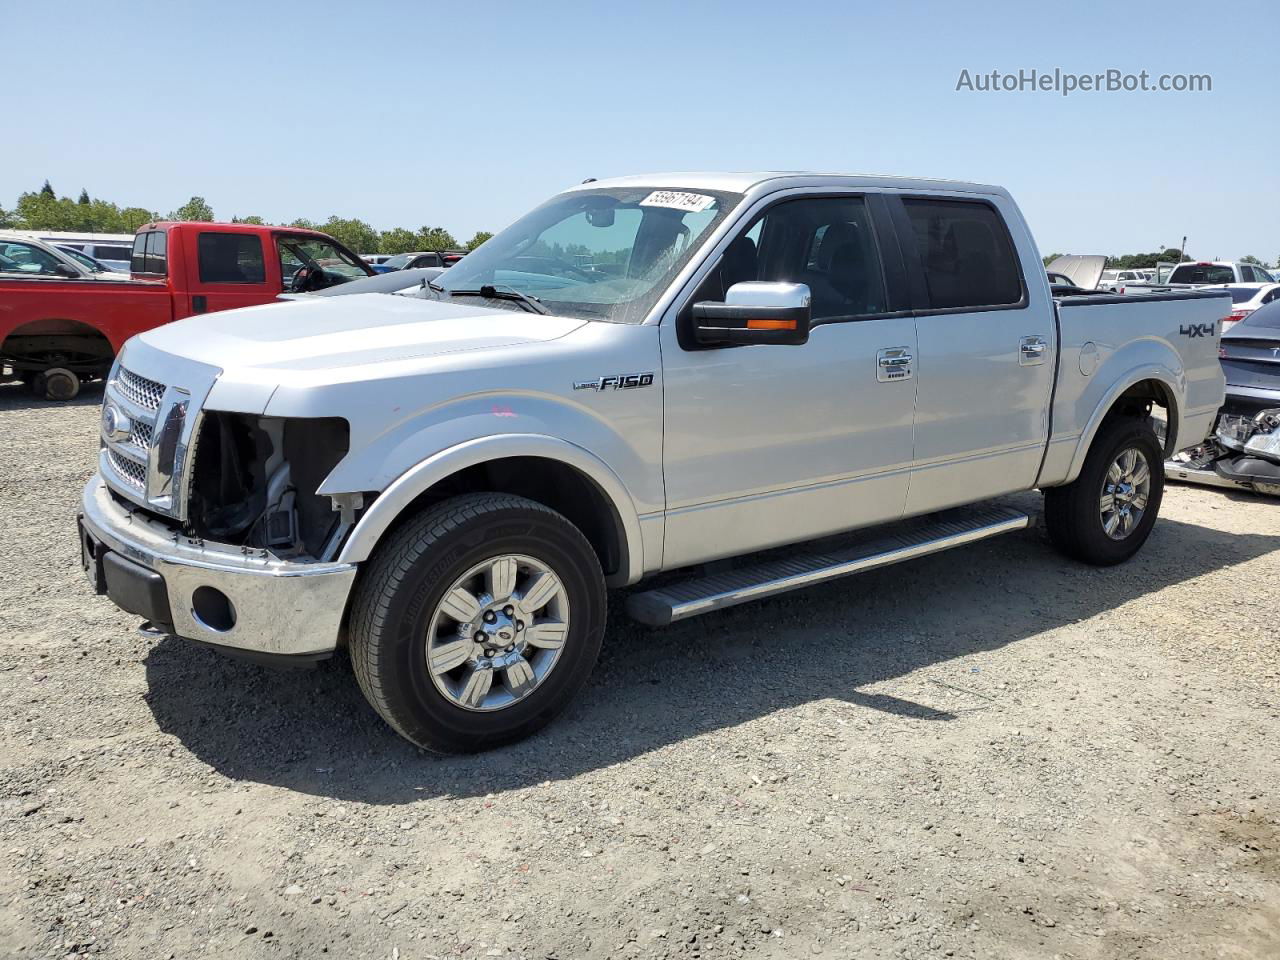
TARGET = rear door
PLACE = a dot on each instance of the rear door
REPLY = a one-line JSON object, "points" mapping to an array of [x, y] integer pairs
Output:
{"points": [[225, 270], [986, 359]]}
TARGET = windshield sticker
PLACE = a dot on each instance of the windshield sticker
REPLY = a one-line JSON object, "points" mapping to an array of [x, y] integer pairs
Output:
{"points": [[674, 199]]}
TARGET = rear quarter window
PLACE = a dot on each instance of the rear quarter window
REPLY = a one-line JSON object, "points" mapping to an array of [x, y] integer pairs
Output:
{"points": [[966, 254]]}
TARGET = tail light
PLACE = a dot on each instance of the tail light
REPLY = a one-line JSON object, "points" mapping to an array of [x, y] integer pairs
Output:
{"points": [[1232, 319]]}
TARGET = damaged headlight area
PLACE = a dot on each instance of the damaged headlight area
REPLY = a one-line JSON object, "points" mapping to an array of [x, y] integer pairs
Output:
{"points": [[1255, 434], [254, 482]]}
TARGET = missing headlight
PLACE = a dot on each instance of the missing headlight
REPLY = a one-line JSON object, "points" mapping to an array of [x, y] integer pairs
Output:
{"points": [[254, 481]]}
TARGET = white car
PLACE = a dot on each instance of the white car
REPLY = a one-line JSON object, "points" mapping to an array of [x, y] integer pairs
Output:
{"points": [[24, 256], [1246, 298], [1114, 279]]}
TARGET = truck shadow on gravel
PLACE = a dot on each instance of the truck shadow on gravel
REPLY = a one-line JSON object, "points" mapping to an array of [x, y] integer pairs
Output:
{"points": [[311, 731], [15, 395]]}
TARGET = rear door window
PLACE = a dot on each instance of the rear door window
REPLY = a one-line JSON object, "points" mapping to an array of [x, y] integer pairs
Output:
{"points": [[230, 258], [966, 254]]}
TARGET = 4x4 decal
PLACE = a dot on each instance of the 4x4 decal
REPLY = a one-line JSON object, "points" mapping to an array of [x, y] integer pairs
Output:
{"points": [[1196, 330]]}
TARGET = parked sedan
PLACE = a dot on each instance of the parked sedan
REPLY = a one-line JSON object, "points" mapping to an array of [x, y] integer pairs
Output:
{"points": [[25, 257], [1246, 298], [94, 266]]}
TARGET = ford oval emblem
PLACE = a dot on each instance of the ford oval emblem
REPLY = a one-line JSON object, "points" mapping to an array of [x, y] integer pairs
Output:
{"points": [[114, 423]]}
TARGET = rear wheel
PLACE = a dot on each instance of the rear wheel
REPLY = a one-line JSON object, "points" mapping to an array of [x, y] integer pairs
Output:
{"points": [[477, 622], [58, 383], [1105, 516]]}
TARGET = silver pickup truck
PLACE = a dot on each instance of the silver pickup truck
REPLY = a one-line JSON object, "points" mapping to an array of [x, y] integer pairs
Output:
{"points": [[799, 376]]}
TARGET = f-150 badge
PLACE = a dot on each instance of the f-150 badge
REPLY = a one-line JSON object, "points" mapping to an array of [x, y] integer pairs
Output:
{"points": [[623, 381]]}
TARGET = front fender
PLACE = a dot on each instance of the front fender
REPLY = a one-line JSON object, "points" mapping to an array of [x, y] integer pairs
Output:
{"points": [[418, 479]]}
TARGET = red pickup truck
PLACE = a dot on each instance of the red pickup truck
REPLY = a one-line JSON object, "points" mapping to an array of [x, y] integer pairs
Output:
{"points": [[56, 330]]}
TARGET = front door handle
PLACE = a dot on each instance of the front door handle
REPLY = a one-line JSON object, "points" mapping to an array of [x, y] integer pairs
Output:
{"points": [[894, 364], [1031, 350]]}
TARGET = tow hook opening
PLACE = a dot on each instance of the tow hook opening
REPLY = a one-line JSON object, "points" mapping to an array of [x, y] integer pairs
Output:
{"points": [[213, 609]]}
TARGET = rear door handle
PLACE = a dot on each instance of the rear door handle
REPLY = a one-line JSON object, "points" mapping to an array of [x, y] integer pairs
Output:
{"points": [[1031, 350]]}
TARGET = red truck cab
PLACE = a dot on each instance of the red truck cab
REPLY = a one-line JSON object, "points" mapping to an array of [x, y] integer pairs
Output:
{"points": [[57, 330]]}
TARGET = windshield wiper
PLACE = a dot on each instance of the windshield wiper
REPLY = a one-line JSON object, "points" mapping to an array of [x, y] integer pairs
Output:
{"points": [[491, 292]]}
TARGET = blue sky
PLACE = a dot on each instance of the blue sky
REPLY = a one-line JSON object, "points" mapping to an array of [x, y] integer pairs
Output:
{"points": [[464, 115]]}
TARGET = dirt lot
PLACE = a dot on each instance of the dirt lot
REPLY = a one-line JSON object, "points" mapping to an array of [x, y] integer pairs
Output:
{"points": [[992, 753]]}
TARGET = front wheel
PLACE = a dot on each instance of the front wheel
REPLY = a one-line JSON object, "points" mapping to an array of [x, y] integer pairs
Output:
{"points": [[1105, 515], [477, 622]]}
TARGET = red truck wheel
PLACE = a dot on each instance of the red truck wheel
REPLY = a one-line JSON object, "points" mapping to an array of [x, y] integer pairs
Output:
{"points": [[57, 383]]}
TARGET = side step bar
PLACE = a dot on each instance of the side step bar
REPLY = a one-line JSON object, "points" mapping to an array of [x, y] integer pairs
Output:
{"points": [[942, 531]]}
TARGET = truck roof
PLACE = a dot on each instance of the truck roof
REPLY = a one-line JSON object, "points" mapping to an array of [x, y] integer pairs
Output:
{"points": [[229, 227], [742, 182]]}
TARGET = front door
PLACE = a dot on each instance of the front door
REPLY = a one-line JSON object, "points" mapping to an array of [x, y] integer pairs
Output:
{"points": [[984, 372], [765, 445], [230, 271]]}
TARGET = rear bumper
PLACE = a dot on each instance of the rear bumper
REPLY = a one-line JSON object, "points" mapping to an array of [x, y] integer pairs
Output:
{"points": [[209, 592]]}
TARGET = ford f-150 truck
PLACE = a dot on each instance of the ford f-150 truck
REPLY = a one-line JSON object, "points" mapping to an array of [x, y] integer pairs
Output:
{"points": [[57, 329], [799, 376]]}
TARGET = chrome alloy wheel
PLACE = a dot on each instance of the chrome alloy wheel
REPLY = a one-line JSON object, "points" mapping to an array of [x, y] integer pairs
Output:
{"points": [[497, 633], [1125, 490]]}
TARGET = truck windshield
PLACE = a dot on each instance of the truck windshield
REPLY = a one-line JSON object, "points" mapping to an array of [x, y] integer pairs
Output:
{"points": [[602, 254]]}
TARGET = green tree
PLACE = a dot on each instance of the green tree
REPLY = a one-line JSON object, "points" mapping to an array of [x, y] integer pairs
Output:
{"points": [[131, 218], [302, 223], [84, 197], [397, 240], [8, 219], [48, 190], [258, 221], [483, 235], [435, 238], [355, 235], [1250, 258], [1051, 257], [193, 209]]}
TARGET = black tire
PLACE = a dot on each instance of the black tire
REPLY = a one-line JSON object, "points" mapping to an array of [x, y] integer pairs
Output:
{"points": [[402, 585], [59, 384], [1071, 512]]}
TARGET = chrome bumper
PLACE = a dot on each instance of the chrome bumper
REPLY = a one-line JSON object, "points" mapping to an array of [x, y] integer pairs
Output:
{"points": [[280, 607]]}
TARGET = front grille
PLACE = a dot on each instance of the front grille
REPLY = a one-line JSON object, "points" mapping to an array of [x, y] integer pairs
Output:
{"points": [[140, 434], [145, 393], [130, 470]]}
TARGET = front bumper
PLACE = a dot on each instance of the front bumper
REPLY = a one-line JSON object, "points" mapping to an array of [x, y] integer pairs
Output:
{"points": [[215, 594]]}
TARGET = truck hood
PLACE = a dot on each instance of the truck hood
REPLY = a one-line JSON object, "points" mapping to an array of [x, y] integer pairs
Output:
{"points": [[1084, 271], [320, 334]]}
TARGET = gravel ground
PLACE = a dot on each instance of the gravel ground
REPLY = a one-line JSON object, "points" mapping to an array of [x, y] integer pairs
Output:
{"points": [[992, 753]]}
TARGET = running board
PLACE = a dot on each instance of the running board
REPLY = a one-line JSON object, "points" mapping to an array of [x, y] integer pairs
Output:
{"points": [[941, 531]]}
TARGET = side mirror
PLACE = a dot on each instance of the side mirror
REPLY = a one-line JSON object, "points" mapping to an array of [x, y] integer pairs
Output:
{"points": [[755, 311], [66, 270]]}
